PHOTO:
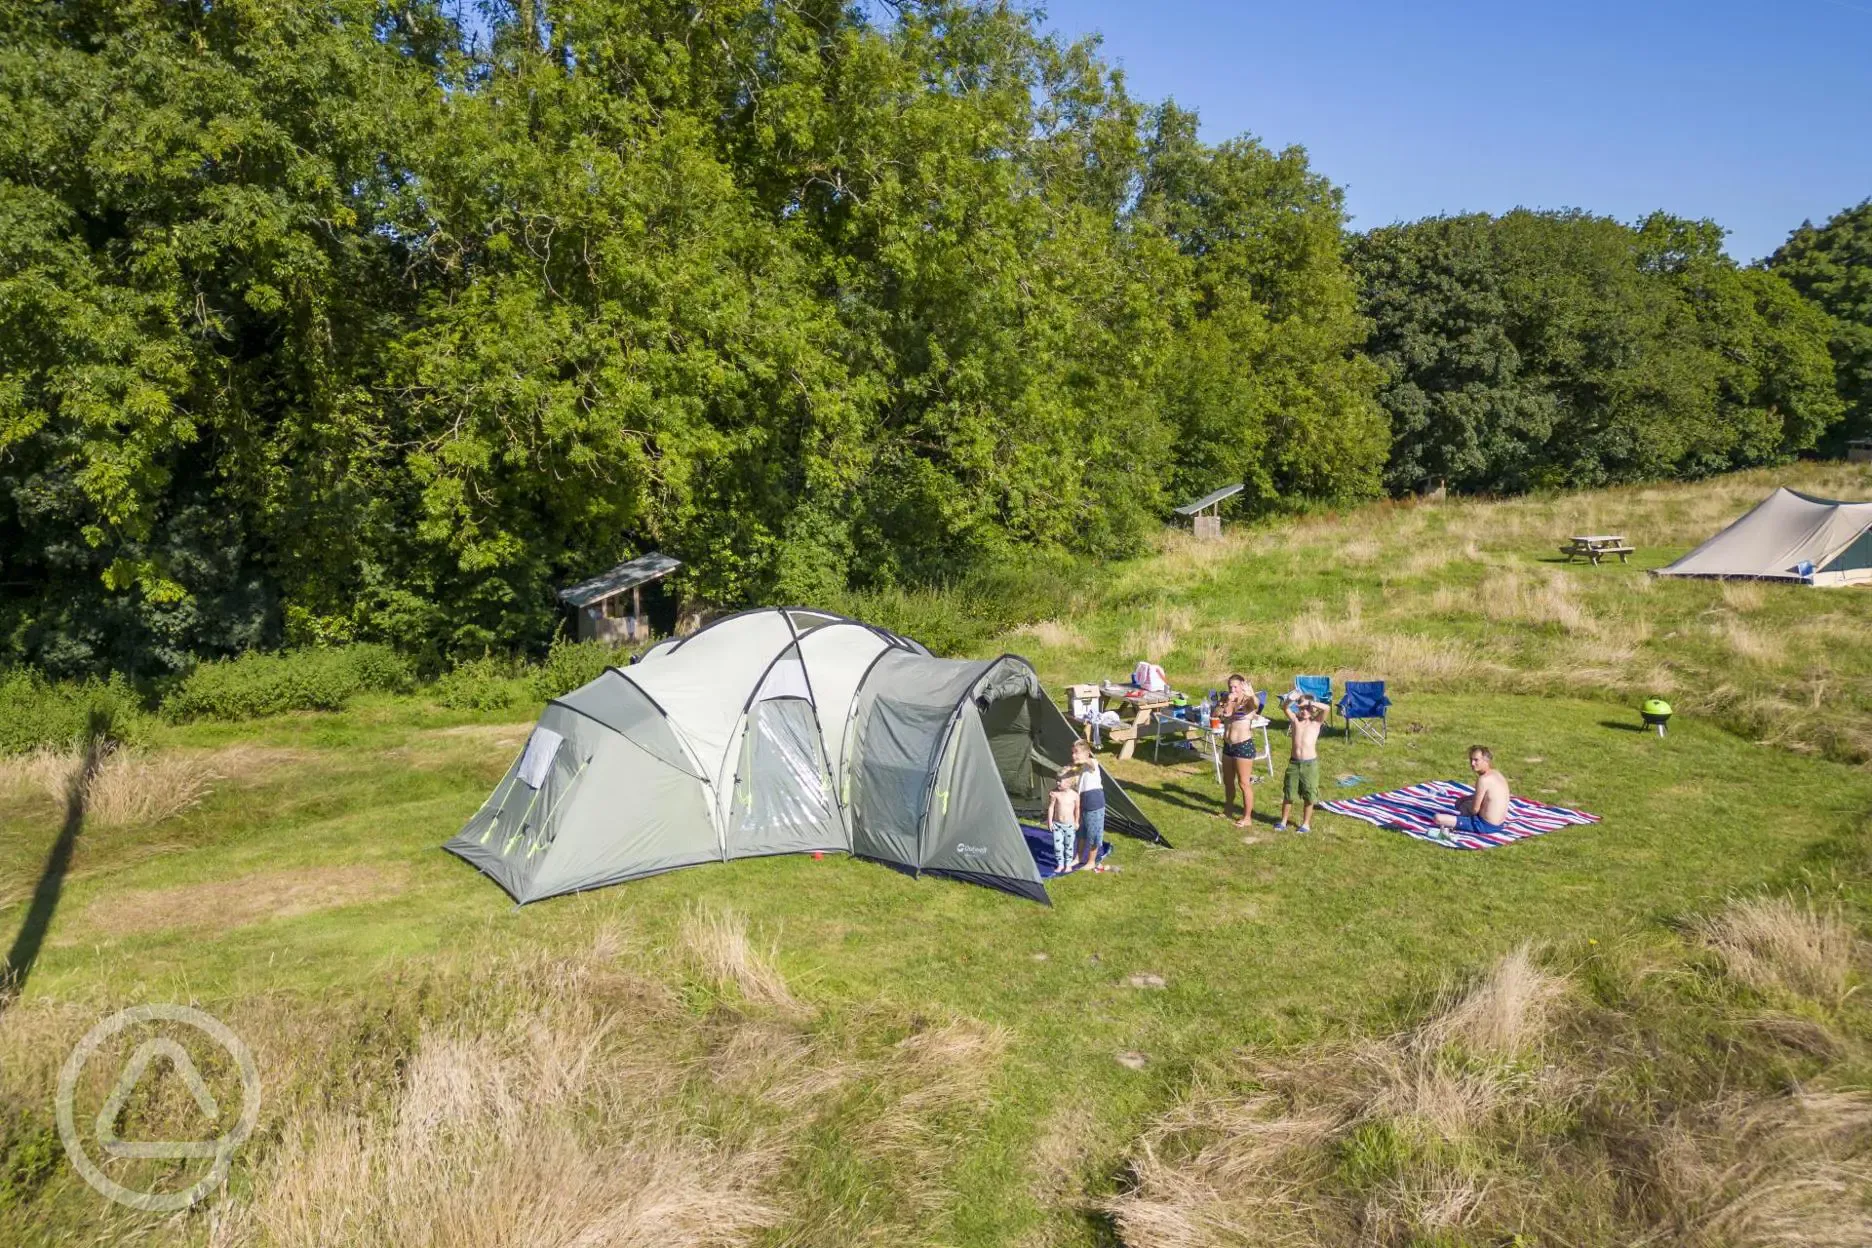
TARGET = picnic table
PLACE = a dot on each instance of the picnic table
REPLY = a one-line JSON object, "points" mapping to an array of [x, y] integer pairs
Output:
{"points": [[1144, 703], [1597, 546], [1151, 712]]}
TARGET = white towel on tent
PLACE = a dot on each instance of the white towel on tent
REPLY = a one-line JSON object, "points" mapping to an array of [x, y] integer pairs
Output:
{"points": [[541, 747]]}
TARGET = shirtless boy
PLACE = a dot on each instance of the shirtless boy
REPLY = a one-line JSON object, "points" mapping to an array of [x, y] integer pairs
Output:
{"points": [[1304, 717], [1487, 808], [1063, 818], [1238, 749]]}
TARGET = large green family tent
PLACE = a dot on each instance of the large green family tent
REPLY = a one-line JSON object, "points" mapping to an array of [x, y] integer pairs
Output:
{"points": [[782, 732], [1789, 536]]}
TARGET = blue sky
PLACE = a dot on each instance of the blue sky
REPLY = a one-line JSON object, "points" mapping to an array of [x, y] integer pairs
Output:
{"points": [[1757, 113]]}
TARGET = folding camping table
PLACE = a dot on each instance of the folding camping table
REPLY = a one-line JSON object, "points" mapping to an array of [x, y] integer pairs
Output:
{"points": [[1211, 739]]}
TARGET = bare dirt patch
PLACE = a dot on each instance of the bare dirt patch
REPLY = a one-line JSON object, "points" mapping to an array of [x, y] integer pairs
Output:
{"points": [[220, 905]]}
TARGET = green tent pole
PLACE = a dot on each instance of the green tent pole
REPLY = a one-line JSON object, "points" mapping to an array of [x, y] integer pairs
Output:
{"points": [[565, 797], [498, 790]]}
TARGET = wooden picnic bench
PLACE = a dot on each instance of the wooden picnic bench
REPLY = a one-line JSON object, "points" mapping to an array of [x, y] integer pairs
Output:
{"points": [[1596, 547], [1144, 707]]}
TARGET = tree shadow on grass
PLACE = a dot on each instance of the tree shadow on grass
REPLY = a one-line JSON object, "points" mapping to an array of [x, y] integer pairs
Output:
{"points": [[45, 898]]}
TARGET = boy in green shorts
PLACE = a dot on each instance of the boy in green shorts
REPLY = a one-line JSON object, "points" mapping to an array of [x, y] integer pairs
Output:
{"points": [[1304, 718]]}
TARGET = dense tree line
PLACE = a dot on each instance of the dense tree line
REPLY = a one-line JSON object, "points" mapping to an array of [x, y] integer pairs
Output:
{"points": [[335, 320], [1561, 349], [332, 320], [1832, 265]]}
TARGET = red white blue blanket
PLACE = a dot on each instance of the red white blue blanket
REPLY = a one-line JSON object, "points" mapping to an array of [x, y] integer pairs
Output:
{"points": [[1413, 809]]}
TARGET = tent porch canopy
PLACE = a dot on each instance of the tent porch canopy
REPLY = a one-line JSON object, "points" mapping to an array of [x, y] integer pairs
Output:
{"points": [[782, 731], [1789, 536]]}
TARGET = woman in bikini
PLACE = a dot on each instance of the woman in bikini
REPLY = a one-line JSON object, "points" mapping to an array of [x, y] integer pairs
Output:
{"points": [[1238, 750]]}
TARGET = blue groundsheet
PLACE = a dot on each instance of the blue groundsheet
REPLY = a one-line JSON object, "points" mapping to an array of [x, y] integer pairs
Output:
{"points": [[1040, 845]]}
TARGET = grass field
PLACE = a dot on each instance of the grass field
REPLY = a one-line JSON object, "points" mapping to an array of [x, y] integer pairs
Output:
{"points": [[1243, 1040]]}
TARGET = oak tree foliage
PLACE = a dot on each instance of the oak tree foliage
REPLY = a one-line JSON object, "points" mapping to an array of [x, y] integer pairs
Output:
{"points": [[1561, 349], [334, 320]]}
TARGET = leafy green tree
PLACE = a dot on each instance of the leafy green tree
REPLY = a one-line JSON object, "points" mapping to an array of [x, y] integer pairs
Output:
{"points": [[1562, 349], [329, 320], [1265, 383], [1832, 266], [194, 300]]}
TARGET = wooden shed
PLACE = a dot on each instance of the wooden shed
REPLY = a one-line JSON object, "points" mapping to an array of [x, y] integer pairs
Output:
{"points": [[604, 613], [1206, 512]]}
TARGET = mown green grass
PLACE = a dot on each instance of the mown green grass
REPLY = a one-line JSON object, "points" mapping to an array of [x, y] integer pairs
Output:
{"points": [[1272, 943]]}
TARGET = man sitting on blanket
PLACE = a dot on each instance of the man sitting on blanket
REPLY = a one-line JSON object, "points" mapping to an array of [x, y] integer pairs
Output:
{"points": [[1487, 809]]}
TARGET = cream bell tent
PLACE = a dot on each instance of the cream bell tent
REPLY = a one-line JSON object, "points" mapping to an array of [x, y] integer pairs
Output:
{"points": [[782, 732], [1789, 536]]}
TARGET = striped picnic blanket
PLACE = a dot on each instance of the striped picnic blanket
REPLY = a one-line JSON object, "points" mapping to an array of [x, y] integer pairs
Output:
{"points": [[1412, 810]]}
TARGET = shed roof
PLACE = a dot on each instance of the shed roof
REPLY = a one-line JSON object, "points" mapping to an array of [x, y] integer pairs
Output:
{"points": [[638, 571], [1209, 500]]}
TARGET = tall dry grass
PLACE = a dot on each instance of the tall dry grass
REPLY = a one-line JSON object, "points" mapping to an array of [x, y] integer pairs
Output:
{"points": [[125, 787], [1419, 661], [716, 942], [1545, 598], [1762, 1172], [1053, 634], [1772, 943], [550, 1110], [1507, 1116], [530, 1100], [1503, 1015], [1315, 627], [1743, 596], [1746, 643], [1469, 594], [1156, 633], [1262, 1168]]}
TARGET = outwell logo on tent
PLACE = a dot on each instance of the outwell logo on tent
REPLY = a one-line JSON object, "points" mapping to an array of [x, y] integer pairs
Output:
{"points": [[965, 848]]}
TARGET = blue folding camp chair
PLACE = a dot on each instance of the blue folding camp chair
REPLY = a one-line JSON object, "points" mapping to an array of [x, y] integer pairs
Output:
{"points": [[1319, 688], [1364, 702]]}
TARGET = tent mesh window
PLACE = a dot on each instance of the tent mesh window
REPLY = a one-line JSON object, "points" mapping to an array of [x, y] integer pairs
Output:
{"points": [[783, 791]]}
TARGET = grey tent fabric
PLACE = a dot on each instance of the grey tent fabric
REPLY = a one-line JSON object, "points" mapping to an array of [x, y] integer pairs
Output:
{"points": [[1009, 725], [899, 743], [967, 805], [783, 790], [840, 658], [621, 706], [536, 843], [1856, 558], [1054, 737], [780, 731], [1783, 533]]}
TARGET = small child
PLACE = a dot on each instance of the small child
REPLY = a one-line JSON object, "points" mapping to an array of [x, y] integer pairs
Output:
{"points": [[1304, 718], [1063, 815], [1091, 788]]}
